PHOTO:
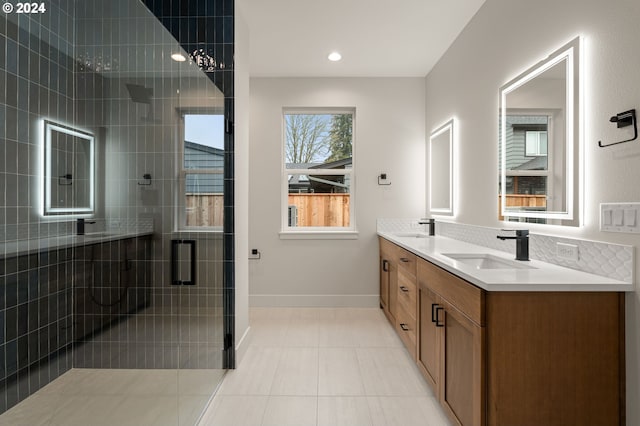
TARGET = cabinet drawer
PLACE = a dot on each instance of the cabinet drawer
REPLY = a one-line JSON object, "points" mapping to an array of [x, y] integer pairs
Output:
{"points": [[406, 261], [466, 297], [407, 294], [406, 328]]}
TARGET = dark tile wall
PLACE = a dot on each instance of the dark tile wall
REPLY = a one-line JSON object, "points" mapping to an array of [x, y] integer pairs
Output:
{"points": [[209, 26], [112, 283], [35, 322], [45, 74], [36, 82]]}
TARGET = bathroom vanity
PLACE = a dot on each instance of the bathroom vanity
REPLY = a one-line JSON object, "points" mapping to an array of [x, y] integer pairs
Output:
{"points": [[503, 342]]}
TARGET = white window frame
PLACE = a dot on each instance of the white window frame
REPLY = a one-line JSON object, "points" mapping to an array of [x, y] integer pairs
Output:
{"points": [[548, 173], [318, 232], [530, 143], [181, 181]]}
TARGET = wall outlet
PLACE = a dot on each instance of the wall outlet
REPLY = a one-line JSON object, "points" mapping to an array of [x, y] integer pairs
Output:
{"points": [[567, 251]]}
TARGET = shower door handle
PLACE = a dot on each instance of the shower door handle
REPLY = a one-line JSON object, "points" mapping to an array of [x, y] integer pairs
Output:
{"points": [[178, 278]]}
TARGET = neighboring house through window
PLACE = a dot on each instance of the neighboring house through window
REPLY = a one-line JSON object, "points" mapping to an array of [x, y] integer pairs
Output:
{"points": [[317, 188], [201, 176]]}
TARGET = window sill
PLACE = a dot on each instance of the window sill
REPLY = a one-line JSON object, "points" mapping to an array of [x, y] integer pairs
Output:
{"points": [[319, 235]]}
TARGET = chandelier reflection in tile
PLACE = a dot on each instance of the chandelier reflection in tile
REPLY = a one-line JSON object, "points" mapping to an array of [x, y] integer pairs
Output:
{"points": [[205, 61], [96, 62]]}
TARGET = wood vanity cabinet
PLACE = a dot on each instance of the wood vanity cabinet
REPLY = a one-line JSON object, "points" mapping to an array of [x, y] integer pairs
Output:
{"points": [[398, 285], [451, 341], [515, 358], [521, 358], [388, 279]]}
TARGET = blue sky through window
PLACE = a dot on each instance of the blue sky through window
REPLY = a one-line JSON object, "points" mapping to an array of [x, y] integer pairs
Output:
{"points": [[204, 129]]}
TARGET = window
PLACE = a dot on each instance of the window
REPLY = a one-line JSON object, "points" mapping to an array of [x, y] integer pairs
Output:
{"points": [[317, 189], [535, 143], [529, 140], [201, 179]]}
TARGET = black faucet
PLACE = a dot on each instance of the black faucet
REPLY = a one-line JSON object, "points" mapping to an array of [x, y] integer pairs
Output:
{"points": [[80, 226], [432, 225], [522, 243]]}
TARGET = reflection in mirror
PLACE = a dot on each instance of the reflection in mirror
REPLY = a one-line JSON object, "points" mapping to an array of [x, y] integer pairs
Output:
{"points": [[441, 169], [69, 170], [539, 141]]}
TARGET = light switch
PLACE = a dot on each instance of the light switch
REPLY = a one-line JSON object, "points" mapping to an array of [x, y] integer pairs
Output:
{"points": [[618, 217], [629, 217]]}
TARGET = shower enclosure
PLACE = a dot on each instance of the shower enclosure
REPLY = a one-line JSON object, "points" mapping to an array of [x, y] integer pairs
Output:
{"points": [[117, 124]]}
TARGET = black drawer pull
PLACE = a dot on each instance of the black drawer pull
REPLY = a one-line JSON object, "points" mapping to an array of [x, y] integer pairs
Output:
{"points": [[385, 265], [404, 260], [438, 309], [403, 288], [433, 312], [404, 327]]}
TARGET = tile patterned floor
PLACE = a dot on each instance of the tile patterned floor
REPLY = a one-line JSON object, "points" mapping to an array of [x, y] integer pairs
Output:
{"points": [[304, 366], [101, 397], [317, 367]]}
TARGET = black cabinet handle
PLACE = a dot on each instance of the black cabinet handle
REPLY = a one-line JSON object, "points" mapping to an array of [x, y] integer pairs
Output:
{"points": [[403, 288], [438, 309], [404, 327], [385, 265], [175, 278], [433, 312], [404, 260]]}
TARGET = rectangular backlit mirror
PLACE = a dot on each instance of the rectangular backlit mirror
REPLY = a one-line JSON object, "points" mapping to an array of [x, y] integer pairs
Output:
{"points": [[441, 169], [540, 141], [69, 163]]}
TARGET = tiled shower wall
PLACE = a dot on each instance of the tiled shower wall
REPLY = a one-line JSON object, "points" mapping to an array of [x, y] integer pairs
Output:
{"points": [[59, 65], [36, 81]]}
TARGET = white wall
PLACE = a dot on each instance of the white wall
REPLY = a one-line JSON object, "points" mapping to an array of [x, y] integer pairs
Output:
{"points": [[241, 175], [503, 39], [389, 137]]}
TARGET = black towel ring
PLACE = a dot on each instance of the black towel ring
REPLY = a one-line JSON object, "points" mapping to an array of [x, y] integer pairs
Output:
{"points": [[624, 119]]}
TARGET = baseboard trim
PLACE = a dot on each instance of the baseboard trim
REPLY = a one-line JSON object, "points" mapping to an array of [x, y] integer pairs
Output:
{"points": [[315, 300], [243, 345]]}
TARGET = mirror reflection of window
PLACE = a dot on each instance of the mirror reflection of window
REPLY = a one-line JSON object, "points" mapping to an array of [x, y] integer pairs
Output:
{"points": [[539, 141], [535, 143]]}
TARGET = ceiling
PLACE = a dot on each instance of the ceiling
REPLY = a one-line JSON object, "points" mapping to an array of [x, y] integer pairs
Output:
{"points": [[403, 38]]}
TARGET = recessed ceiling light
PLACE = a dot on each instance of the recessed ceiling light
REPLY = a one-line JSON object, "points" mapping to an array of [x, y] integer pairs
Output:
{"points": [[178, 57], [334, 56]]}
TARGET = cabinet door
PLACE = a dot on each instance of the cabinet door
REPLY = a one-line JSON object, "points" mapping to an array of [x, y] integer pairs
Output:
{"points": [[384, 282], [461, 372], [428, 342]]}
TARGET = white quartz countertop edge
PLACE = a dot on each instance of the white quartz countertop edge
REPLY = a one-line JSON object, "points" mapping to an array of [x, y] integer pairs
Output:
{"points": [[542, 277], [24, 247]]}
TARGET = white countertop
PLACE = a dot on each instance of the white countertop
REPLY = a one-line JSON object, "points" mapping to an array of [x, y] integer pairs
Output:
{"points": [[541, 277], [22, 247]]}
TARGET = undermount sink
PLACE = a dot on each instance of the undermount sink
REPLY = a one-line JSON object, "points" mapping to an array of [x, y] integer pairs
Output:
{"points": [[411, 234], [487, 261]]}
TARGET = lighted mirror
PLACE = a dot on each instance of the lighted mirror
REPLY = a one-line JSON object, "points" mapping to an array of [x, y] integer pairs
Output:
{"points": [[441, 169], [68, 170], [540, 141]]}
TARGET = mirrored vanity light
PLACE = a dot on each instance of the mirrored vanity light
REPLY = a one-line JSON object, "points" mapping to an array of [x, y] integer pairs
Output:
{"points": [[441, 170], [69, 170], [540, 141]]}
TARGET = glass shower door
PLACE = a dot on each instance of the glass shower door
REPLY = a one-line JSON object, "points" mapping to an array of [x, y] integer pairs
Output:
{"points": [[170, 330]]}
